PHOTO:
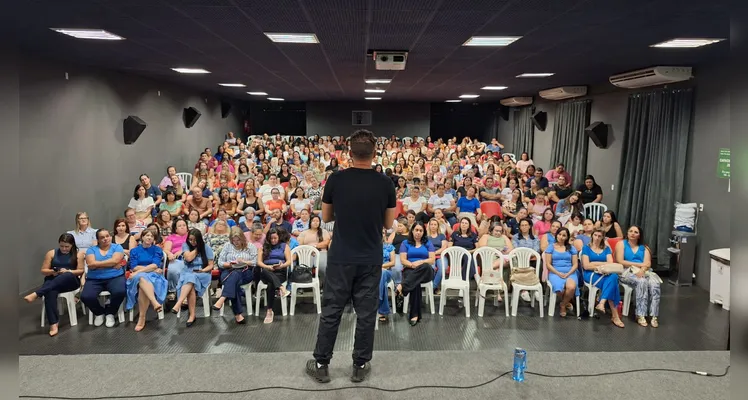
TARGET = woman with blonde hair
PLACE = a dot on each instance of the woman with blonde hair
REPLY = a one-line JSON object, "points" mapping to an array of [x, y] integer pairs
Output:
{"points": [[84, 235], [236, 261]]}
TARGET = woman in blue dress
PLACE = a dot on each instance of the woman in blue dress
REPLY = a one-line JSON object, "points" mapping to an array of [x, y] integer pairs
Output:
{"points": [[195, 279], [595, 255], [561, 260], [146, 285], [388, 261], [635, 256]]}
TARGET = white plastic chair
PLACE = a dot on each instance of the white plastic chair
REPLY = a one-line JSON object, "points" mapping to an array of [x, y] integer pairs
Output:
{"points": [[69, 299], [485, 257], [455, 256], [259, 295], [627, 291], [594, 211], [429, 286], [102, 297], [186, 177], [592, 295], [307, 256], [391, 287], [511, 156], [207, 305], [552, 301], [520, 258]]}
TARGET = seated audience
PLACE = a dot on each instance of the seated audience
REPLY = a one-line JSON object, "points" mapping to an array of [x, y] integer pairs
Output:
{"points": [[441, 200], [469, 207], [499, 240], [195, 278], [301, 224], [173, 251], [194, 221], [224, 216], [299, 202], [439, 242], [250, 199], [84, 235], [575, 226], [123, 237], [388, 261], [265, 191], [596, 255], [273, 260], [171, 204], [540, 180], [561, 190], [178, 188], [524, 162], [590, 191], [276, 203], [249, 218], [557, 172], [547, 239], [217, 237], [512, 224], [226, 203], [584, 236], [635, 256], [105, 273], [568, 207], [465, 236], [146, 285], [560, 259], [61, 268], [201, 204], [166, 181], [256, 235], [542, 226], [164, 222], [319, 238], [417, 257], [134, 225], [609, 225], [276, 221], [398, 236], [236, 261]]}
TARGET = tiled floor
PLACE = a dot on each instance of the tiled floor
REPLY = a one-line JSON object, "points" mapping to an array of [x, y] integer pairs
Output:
{"points": [[687, 322]]}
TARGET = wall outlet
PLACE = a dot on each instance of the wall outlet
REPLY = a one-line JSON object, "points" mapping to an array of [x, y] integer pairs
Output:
{"points": [[701, 206], [612, 187]]}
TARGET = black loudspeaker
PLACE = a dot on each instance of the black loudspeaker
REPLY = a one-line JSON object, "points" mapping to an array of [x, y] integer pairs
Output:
{"points": [[132, 128], [225, 109], [504, 113], [190, 116], [598, 132], [539, 119]]}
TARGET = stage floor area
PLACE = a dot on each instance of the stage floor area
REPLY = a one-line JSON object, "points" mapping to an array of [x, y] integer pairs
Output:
{"points": [[687, 322], [146, 376]]}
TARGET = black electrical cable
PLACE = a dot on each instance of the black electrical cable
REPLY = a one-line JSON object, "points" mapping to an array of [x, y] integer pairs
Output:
{"points": [[142, 396]]}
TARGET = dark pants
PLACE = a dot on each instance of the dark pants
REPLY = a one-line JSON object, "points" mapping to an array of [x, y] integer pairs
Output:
{"points": [[343, 282], [232, 280], [273, 279], [412, 280], [51, 288], [115, 286]]}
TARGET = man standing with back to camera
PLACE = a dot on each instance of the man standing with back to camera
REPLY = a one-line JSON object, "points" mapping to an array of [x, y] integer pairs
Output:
{"points": [[354, 260]]}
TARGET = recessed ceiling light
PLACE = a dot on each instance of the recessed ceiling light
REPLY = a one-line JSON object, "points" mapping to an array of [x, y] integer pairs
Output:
{"points": [[686, 43], [372, 98], [491, 40], [374, 90], [292, 37], [97, 34], [494, 87], [233, 84], [257, 93], [275, 99], [191, 70], [453, 101], [469, 96], [375, 81], [535, 75]]}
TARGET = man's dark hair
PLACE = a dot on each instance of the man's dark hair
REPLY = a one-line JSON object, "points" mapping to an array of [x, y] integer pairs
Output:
{"points": [[363, 145]]}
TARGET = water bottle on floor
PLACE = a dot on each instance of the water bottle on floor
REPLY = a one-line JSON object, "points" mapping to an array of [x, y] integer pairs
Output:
{"points": [[520, 364]]}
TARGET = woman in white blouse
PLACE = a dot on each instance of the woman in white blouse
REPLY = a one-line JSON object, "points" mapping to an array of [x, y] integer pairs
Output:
{"points": [[142, 204], [524, 162], [236, 261], [300, 202]]}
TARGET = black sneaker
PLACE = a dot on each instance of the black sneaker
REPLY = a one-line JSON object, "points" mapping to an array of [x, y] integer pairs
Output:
{"points": [[319, 374], [360, 373]]}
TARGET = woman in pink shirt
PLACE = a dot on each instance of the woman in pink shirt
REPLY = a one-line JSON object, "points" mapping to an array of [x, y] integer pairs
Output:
{"points": [[173, 252], [544, 225]]}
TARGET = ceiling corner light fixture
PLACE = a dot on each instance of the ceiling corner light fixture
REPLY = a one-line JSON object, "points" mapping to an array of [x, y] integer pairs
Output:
{"points": [[375, 81], [491, 41], [469, 96], [372, 98], [190, 70], [374, 90], [686, 43], [535, 75], [494, 87], [233, 84], [257, 93], [95, 34], [453, 101], [292, 37], [275, 99]]}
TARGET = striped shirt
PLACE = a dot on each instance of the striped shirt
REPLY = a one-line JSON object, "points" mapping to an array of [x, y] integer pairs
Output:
{"points": [[230, 253]]}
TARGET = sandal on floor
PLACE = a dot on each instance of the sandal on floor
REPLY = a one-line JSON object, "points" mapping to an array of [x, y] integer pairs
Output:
{"points": [[600, 309], [382, 318], [617, 322], [654, 322], [268, 318], [562, 312], [641, 321]]}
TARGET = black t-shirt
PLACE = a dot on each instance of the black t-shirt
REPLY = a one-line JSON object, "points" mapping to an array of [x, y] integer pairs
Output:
{"points": [[589, 195], [359, 198], [563, 193]]}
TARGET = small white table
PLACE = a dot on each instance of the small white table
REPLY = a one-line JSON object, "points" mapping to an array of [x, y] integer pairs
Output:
{"points": [[719, 285]]}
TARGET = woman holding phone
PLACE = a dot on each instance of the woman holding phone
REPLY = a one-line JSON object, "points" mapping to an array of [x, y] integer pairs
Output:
{"points": [[273, 261], [236, 261]]}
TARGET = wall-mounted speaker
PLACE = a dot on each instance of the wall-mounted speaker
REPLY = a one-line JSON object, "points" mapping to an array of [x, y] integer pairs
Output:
{"points": [[132, 128], [225, 109], [540, 119], [190, 116], [598, 132], [504, 113]]}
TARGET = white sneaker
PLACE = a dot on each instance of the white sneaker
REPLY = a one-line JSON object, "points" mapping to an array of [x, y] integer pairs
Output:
{"points": [[525, 296], [98, 320], [109, 321]]}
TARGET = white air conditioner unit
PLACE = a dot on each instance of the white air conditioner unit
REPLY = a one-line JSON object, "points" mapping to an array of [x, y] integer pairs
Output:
{"points": [[516, 101], [651, 77], [564, 92]]}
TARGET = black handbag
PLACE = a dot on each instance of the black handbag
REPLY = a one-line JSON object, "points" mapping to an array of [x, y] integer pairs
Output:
{"points": [[302, 274]]}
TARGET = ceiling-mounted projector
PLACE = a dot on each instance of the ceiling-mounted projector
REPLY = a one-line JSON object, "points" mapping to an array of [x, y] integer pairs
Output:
{"points": [[390, 60]]}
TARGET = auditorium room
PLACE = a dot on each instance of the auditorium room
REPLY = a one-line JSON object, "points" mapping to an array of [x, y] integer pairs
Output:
{"points": [[472, 198]]}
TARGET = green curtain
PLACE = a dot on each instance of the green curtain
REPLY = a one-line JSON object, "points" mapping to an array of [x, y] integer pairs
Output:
{"points": [[653, 164], [570, 143], [523, 133]]}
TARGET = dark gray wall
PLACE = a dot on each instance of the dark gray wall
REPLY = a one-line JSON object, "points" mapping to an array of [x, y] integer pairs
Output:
{"points": [[400, 119], [75, 156], [711, 131]]}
